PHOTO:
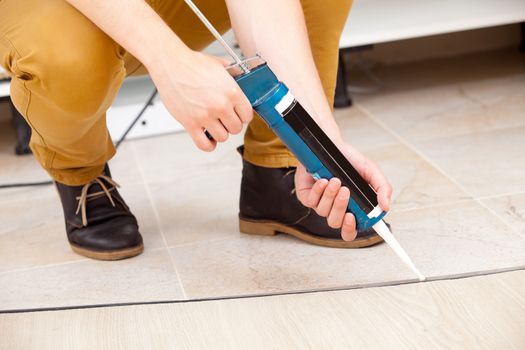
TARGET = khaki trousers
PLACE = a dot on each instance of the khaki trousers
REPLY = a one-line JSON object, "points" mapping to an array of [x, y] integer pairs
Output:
{"points": [[66, 72]]}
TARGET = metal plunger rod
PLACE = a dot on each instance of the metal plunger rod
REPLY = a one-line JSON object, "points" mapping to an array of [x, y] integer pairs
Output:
{"points": [[217, 35]]}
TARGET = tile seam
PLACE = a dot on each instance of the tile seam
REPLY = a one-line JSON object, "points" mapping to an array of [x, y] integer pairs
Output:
{"points": [[405, 142], [157, 219]]}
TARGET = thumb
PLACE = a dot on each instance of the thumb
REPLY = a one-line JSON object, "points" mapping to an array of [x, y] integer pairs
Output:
{"points": [[303, 183]]}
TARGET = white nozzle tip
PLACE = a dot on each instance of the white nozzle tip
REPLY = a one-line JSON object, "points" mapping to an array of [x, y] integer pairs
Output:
{"points": [[382, 229], [419, 275]]}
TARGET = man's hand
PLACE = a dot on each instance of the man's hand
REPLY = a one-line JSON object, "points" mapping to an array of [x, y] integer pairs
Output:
{"points": [[196, 88], [329, 199], [198, 91]]}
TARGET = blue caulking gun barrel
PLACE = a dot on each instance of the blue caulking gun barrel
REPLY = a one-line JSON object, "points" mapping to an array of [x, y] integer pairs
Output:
{"points": [[272, 100]]}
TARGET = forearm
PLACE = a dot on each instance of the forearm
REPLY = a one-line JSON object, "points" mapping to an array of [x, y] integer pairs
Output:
{"points": [[276, 29], [135, 26]]}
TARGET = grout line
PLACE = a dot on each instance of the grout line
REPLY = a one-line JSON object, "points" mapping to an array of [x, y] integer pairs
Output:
{"points": [[509, 194], [213, 240], [157, 219], [403, 141], [24, 269], [58, 264], [430, 206], [274, 294]]}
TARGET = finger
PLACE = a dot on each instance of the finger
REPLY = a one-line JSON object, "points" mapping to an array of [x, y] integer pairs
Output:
{"points": [[372, 174], [384, 195], [304, 178], [381, 185], [201, 141], [327, 200], [243, 107], [337, 214], [303, 184], [232, 123], [217, 130], [315, 193], [348, 231]]}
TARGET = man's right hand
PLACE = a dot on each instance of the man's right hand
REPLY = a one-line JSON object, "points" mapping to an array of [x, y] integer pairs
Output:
{"points": [[195, 88], [199, 92]]}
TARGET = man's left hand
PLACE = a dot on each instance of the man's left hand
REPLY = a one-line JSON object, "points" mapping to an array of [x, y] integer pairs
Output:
{"points": [[329, 199]]}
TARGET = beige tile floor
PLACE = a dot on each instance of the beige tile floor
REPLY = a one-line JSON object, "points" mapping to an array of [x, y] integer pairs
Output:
{"points": [[484, 312], [448, 134]]}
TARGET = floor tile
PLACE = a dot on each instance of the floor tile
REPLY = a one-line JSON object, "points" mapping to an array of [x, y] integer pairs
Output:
{"points": [[147, 277], [360, 131], [200, 207], [443, 72], [483, 312], [446, 240], [425, 111], [10, 195], [416, 117], [429, 114], [485, 164], [32, 231], [511, 209], [410, 113], [32, 213], [457, 239], [35, 247], [254, 265], [414, 181], [495, 89]]}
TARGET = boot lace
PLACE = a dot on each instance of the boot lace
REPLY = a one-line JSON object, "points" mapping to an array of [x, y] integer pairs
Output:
{"points": [[84, 196]]}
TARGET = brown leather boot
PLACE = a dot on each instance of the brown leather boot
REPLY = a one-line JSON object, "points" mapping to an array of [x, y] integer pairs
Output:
{"points": [[268, 205], [99, 224]]}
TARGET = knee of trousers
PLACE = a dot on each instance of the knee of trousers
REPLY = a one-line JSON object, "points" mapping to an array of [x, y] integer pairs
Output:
{"points": [[66, 84], [325, 22], [76, 82]]}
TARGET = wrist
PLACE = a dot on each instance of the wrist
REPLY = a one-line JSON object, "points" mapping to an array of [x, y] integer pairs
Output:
{"points": [[166, 52], [328, 124], [333, 132], [323, 115]]}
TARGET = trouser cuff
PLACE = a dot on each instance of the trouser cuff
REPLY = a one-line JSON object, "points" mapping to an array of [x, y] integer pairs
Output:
{"points": [[76, 177]]}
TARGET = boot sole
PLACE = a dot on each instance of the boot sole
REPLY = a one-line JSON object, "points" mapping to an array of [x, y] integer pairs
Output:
{"points": [[271, 228], [109, 254]]}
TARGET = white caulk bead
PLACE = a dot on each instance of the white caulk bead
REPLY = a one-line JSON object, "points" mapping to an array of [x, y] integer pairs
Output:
{"points": [[382, 229]]}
